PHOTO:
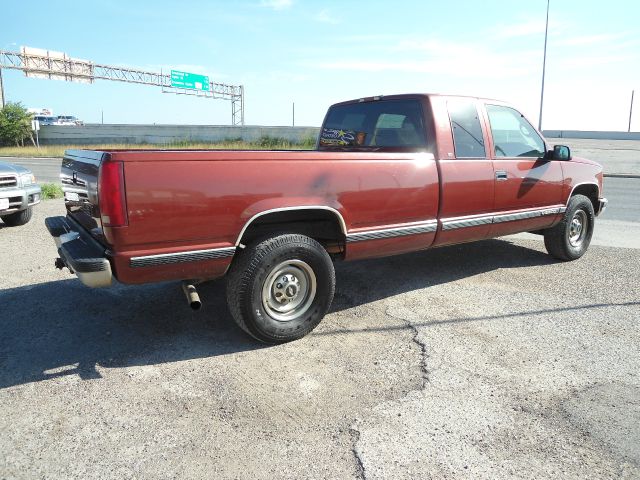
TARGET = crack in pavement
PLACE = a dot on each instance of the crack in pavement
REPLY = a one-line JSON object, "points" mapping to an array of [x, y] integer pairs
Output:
{"points": [[424, 373], [490, 409], [355, 435]]}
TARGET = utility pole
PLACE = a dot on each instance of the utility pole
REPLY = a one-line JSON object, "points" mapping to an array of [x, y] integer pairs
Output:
{"points": [[544, 65], [1, 90], [631, 110]]}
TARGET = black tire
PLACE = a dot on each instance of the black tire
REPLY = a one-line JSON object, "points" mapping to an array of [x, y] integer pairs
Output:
{"points": [[272, 271], [18, 218], [563, 241]]}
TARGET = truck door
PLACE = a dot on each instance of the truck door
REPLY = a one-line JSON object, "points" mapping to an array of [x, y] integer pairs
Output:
{"points": [[527, 187], [466, 171]]}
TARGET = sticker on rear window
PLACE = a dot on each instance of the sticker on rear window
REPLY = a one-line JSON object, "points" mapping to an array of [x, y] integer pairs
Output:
{"points": [[338, 137]]}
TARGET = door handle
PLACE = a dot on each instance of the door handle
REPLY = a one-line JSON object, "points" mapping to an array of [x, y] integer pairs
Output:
{"points": [[501, 175]]}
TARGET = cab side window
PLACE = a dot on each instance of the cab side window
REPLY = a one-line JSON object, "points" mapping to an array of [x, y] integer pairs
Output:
{"points": [[513, 135], [467, 133]]}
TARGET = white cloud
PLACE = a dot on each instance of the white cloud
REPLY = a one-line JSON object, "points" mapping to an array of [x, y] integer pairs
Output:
{"points": [[454, 67], [526, 29], [276, 4], [436, 47], [591, 61], [597, 39], [456, 59], [371, 37], [534, 27], [325, 17]]}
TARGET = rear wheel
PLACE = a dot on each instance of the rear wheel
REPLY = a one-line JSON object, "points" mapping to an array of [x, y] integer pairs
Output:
{"points": [[279, 289], [18, 218], [570, 238]]}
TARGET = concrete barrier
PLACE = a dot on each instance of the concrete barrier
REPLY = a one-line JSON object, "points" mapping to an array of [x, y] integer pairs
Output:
{"points": [[162, 134], [593, 135]]}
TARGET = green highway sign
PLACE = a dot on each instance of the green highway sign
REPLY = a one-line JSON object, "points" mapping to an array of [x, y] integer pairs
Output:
{"points": [[189, 80]]}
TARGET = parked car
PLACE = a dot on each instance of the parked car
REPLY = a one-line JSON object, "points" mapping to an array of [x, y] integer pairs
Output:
{"points": [[19, 192], [68, 120], [390, 175]]}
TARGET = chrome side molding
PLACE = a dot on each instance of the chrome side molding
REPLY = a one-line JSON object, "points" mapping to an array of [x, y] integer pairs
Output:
{"points": [[181, 257], [418, 228], [462, 222], [467, 222], [414, 229]]}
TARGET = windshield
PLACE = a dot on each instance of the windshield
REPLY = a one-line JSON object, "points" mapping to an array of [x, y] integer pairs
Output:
{"points": [[374, 124]]}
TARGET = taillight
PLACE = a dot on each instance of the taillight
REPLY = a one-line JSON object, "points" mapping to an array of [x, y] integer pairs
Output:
{"points": [[111, 198]]}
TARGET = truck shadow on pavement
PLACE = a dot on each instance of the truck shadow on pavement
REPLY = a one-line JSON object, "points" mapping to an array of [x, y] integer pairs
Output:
{"points": [[370, 280], [62, 328]]}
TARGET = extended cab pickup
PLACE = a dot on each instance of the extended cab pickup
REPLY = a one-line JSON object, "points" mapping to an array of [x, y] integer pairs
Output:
{"points": [[389, 175]]}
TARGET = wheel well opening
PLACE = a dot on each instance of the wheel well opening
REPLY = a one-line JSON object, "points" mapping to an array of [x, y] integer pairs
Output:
{"points": [[321, 225], [590, 191]]}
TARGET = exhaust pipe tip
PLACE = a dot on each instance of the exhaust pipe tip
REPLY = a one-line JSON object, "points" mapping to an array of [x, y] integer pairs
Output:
{"points": [[193, 299]]}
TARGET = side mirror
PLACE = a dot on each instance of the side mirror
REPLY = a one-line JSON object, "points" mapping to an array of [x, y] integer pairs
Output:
{"points": [[559, 152]]}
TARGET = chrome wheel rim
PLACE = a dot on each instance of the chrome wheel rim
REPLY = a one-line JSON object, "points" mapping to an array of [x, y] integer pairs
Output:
{"points": [[577, 230], [289, 290]]}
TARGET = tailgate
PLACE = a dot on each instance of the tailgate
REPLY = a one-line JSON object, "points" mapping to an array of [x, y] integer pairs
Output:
{"points": [[79, 177]]}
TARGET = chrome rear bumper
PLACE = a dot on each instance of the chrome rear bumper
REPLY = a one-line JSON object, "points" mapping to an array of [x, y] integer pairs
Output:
{"points": [[80, 252]]}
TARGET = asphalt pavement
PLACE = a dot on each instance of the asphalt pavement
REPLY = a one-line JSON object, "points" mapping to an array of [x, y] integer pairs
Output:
{"points": [[483, 360]]}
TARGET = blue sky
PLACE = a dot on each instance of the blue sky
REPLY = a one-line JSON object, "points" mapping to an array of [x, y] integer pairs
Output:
{"points": [[315, 53]]}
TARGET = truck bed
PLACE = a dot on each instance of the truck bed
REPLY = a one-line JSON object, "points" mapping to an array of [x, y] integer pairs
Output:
{"points": [[179, 200]]}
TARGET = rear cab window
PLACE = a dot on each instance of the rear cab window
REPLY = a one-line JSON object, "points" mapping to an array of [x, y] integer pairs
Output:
{"points": [[380, 124], [468, 139]]}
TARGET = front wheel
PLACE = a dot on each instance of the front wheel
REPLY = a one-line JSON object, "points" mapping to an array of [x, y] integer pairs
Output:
{"points": [[18, 218], [279, 289], [570, 238]]}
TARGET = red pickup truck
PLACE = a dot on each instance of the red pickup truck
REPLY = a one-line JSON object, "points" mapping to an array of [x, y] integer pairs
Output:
{"points": [[389, 175]]}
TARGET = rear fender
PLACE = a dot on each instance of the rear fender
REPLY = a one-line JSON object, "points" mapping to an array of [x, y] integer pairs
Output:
{"points": [[267, 206]]}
